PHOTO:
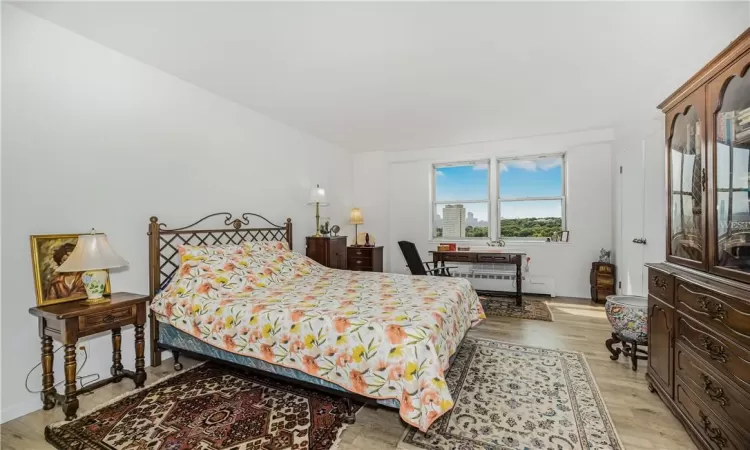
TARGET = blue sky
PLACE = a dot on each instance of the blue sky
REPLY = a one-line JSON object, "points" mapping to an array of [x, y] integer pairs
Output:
{"points": [[537, 178]]}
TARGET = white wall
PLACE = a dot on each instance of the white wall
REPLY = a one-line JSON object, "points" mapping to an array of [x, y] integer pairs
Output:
{"points": [[96, 139], [401, 201], [639, 149]]}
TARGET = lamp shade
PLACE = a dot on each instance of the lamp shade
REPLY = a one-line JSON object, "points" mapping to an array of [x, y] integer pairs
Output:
{"points": [[355, 217], [92, 252], [318, 195]]}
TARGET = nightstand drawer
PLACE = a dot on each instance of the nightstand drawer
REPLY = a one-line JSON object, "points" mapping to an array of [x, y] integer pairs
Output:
{"points": [[359, 252], [106, 319], [358, 261]]}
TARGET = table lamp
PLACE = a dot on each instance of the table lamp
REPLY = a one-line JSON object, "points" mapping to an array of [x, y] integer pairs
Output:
{"points": [[317, 198], [93, 255], [355, 218]]}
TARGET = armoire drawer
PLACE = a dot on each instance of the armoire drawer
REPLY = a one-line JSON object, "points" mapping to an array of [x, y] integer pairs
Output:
{"points": [[661, 285], [721, 353], [713, 430], [724, 314], [723, 398]]}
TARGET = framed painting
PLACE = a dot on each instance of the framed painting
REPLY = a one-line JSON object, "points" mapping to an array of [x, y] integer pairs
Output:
{"points": [[48, 252]]}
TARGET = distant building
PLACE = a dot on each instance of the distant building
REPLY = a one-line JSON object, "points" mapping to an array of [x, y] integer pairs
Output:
{"points": [[454, 221]]}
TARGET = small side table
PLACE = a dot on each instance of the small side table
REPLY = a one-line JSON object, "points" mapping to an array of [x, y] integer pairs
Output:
{"points": [[364, 259], [67, 322]]}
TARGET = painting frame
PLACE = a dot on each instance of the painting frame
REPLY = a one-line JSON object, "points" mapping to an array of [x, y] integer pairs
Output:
{"points": [[42, 263]]}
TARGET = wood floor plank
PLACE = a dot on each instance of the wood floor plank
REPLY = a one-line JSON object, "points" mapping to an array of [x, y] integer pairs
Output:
{"points": [[641, 419]]}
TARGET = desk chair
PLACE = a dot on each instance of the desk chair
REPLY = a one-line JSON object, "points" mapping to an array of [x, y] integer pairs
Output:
{"points": [[417, 266]]}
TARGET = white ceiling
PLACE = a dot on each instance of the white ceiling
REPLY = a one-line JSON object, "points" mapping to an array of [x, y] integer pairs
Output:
{"points": [[371, 76]]}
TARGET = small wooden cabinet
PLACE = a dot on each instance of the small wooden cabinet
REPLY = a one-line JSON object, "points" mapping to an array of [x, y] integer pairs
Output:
{"points": [[67, 322], [602, 280], [366, 259], [329, 251]]}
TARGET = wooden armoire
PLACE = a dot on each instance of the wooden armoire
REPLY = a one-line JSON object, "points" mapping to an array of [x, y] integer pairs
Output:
{"points": [[699, 299]]}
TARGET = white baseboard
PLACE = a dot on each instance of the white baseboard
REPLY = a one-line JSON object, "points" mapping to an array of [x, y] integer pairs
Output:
{"points": [[20, 409], [34, 403]]}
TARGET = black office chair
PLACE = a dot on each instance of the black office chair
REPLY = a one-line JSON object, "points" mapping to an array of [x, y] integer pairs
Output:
{"points": [[415, 264]]}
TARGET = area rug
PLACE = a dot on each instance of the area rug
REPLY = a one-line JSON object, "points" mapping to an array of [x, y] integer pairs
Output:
{"points": [[210, 407], [506, 306], [511, 396]]}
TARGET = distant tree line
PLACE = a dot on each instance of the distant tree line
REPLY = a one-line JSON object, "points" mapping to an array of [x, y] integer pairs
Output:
{"points": [[529, 227]]}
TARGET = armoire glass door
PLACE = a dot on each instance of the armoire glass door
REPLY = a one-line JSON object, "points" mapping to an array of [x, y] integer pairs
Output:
{"points": [[687, 184], [731, 122]]}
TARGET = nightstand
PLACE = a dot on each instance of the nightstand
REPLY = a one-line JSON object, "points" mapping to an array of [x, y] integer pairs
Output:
{"points": [[365, 259], [67, 322], [329, 251]]}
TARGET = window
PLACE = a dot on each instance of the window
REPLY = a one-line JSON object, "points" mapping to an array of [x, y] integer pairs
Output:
{"points": [[460, 200], [531, 197], [526, 202]]}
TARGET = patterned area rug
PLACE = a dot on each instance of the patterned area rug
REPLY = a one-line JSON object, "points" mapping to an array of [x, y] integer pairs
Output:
{"points": [[209, 407], [515, 397], [506, 306]]}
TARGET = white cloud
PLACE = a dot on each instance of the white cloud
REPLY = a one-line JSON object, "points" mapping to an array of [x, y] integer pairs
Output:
{"points": [[439, 173], [549, 163], [480, 167], [532, 165]]}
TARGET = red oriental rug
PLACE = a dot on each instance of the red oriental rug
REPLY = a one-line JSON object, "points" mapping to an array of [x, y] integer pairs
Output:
{"points": [[211, 407]]}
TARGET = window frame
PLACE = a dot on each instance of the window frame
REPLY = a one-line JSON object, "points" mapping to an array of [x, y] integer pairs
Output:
{"points": [[494, 197], [499, 198], [434, 202]]}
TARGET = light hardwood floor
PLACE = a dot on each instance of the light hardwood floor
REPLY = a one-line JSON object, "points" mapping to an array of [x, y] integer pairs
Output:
{"points": [[641, 420]]}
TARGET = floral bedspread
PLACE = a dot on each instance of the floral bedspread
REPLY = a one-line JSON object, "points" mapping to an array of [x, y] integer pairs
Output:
{"points": [[378, 335]]}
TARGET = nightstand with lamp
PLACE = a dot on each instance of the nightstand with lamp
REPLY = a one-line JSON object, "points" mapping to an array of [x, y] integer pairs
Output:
{"points": [[68, 321], [364, 258]]}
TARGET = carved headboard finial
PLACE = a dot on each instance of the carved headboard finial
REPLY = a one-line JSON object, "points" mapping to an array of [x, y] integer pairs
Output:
{"points": [[154, 219]]}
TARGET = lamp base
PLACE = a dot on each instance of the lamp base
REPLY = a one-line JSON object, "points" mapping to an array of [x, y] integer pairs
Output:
{"points": [[96, 301], [94, 281]]}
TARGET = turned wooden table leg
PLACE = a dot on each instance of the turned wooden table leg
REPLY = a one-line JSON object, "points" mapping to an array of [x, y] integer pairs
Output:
{"points": [[140, 361], [70, 405], [117, 366], [48, 375]]}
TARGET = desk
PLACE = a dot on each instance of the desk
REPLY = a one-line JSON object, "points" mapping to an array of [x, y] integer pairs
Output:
{"points": [[485, 256]]}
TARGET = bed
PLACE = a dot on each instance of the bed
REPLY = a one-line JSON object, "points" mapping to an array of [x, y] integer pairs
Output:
{"points": [[242, 296]]}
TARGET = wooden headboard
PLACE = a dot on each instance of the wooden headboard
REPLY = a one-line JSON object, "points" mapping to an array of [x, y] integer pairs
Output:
{"points": [[164, 256]]}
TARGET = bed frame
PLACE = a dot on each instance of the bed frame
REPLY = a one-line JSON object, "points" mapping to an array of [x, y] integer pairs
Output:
{"points": [[164, 256], [164, 262]]}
